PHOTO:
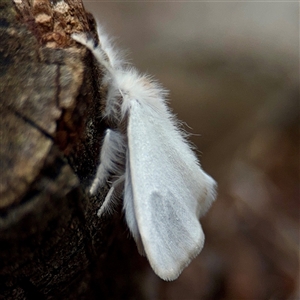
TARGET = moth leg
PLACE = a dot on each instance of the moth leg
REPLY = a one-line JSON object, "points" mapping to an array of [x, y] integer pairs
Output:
{"points": [[114, 192], [112, 159]]}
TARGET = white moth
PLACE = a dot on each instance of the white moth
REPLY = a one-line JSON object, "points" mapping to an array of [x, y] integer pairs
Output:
{"points": [[165, 189]]}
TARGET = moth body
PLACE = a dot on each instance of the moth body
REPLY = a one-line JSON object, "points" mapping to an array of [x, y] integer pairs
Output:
{"points": [[165, 191]]}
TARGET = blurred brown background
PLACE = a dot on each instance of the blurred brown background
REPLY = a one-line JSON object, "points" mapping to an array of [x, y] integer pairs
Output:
{"points": [[233, 74]]}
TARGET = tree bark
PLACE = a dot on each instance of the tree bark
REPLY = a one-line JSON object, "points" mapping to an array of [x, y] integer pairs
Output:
{"points": [[52, 244]]}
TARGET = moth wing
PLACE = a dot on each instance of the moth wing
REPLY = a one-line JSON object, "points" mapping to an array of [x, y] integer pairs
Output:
{"points": [[129, 210], [169, 189]]}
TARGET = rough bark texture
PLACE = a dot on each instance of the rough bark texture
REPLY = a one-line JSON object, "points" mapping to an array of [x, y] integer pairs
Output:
{"points": [[52, 245]]}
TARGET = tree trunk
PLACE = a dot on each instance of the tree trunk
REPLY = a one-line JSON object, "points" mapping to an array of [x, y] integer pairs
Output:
{"points": [[52, 244]]}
